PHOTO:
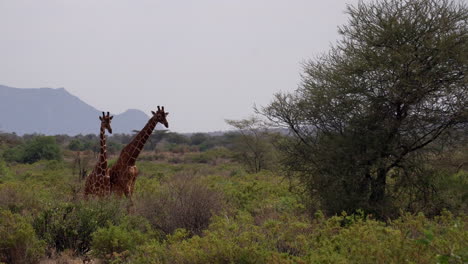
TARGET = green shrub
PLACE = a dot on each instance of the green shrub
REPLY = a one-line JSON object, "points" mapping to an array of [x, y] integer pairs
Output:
{"points": [[452, 190], [5, 173], [409, 239], [14, 154], [152, 252], [18, 243], [257, 193], [235, 240], [76, 145], [431, 191], [212, 156], [41, 147], [18, 198], [115, 242], [35, 149], [198, 138], [71, 225], [338, 239]]}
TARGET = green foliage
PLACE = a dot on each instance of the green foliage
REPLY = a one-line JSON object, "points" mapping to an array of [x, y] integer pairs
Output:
{"points": [[152, 252], [176, 138], [253, 144], [18, 243], [411, 238], [115, 243], [35, 149], [14, 154], [208, 209], [83, 144], [263, 194], [41, 148], [71, 225], [76, 145], [20, 199], [114, 147], [339, 239], [368, 110], [211, 156], [4, 171], [198, 138], [432, 191], [453, 191]]}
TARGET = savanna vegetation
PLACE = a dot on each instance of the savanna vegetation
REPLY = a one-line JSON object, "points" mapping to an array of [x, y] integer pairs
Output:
{"points": [[366, 162], [194, 206]]}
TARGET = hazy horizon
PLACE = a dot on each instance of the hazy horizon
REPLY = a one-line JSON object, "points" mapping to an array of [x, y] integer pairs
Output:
{"points": [[205, 61]]}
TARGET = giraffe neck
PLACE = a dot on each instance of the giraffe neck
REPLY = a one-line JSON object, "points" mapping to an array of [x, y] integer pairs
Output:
{"points": [[103, 153], [134, 148]]}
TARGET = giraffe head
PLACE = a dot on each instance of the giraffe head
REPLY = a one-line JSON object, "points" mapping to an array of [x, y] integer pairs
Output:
{"points": [[160, 116], [106, 121]]}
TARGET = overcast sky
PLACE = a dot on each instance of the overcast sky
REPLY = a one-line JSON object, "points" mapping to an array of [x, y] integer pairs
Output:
{"points": [[205, 60]]}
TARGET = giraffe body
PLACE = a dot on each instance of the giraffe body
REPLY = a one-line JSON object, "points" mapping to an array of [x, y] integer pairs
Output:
{"points": [[124, 173], [98, 184], [98, 181]]}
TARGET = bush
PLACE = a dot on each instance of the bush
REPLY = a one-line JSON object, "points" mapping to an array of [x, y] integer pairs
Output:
{"points": [[211, 156], [198, 138], [339, 239], [152, 252], [4, 171], [18, 198], [76, 145], [233, 240], [71, 225], [431, 191], [263, 194], [35, 149], [182, 202], [411, 238], [41, 148], [18, 243], [452, 190], [14, 154], [115, 242]]}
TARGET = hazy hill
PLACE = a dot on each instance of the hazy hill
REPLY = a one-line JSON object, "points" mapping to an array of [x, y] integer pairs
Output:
{"points": [[56, 111]]}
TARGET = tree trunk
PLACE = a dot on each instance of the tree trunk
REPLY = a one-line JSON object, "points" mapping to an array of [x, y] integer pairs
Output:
{"points": [[378, 185]]}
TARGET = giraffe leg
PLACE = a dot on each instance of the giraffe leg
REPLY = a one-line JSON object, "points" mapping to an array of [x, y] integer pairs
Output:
{"points": [[107, 184], [134, 176], [131, 174]]}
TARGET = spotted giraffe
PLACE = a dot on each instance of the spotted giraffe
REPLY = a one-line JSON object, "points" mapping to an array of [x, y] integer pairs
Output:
{"points": [[98, 181], [124, 172]]}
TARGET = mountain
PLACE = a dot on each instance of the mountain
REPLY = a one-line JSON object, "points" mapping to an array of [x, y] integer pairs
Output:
{"points": [[128, 121], [56, 111]]}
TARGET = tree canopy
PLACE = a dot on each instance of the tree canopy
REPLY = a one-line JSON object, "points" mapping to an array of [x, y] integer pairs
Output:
{"points": [[366, 111]]}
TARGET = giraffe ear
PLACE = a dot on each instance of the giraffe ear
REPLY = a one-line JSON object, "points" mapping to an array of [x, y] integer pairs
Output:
{"points": [[100, 118], [110, 118], [167, 113], [153, 112]]}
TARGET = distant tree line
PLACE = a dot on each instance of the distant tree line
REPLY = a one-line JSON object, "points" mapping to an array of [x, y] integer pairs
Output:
{"points": [[30, 148]]}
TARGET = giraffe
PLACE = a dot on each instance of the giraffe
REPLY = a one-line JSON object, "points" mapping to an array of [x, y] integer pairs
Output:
{"points": [[123, 174], [98, 181]]}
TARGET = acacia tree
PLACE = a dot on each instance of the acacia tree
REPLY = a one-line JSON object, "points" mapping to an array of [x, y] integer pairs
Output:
{"points": [[253, 144], [395, 83]]}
